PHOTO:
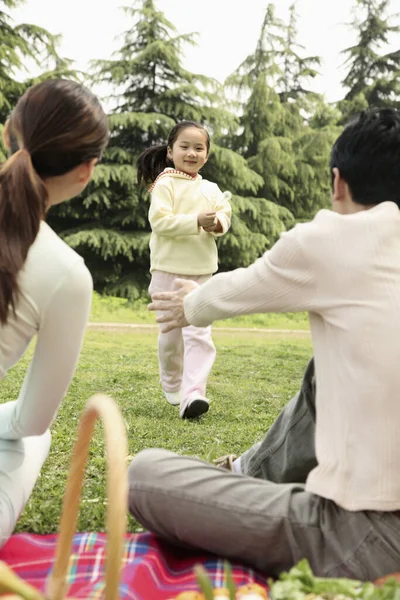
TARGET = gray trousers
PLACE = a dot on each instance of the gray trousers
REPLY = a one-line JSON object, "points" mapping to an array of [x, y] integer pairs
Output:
{"points": [[264, 517]]}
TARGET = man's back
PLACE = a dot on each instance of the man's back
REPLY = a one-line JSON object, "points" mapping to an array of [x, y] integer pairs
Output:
{"points": [[356, 335]]}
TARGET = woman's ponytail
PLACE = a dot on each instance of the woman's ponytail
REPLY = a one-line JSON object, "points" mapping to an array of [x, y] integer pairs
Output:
{"points": [[23, 202], [151, 163]]}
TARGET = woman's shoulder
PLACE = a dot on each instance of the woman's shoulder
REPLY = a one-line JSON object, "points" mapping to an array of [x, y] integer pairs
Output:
{"points": [[51, 248], [50, 264]]}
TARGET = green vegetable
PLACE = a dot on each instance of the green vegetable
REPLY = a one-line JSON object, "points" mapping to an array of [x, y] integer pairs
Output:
{"points": [[204, 582], [301, 584], [229, 583]]}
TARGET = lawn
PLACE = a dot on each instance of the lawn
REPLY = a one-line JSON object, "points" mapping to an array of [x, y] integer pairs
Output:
{"points": [[254, 376], [119, 310]]}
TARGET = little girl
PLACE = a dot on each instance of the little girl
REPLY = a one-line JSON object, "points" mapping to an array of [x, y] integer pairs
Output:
{"points": [[186, 214]]}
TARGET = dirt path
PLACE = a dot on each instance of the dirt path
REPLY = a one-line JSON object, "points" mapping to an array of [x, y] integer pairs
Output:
{"points": [[145, 327]]}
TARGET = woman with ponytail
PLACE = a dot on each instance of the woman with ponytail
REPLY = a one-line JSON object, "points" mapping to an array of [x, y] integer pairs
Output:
{"points": [[56, 134]]}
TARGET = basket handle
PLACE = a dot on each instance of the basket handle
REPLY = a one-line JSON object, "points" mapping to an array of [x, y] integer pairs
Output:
{"points": [[98, 406], [15, 587]]}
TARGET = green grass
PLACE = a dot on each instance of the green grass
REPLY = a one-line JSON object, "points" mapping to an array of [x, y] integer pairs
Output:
{"points": [[254, 376], [118, 310]]}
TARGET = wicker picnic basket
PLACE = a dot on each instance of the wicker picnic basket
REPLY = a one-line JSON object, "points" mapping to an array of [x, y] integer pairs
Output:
{"points": [[104, 408]]}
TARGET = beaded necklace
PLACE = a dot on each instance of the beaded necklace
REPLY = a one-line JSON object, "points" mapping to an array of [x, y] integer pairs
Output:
{"points": [[170, 171]]}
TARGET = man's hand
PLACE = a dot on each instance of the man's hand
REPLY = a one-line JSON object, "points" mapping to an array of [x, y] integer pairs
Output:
{"points": [[171, 305], [207, 219]]}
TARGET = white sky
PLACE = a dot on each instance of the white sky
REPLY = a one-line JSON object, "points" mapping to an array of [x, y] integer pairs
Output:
{"points": [[228, 31]]}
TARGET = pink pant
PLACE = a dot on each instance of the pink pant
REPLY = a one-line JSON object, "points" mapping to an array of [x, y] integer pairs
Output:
{"points": [[185, 356]]}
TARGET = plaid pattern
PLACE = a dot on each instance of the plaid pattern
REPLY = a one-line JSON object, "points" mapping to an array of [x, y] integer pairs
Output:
{"points": [[153, 570]]}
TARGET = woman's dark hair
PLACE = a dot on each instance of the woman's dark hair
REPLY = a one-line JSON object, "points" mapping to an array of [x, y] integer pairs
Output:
{"points": [[154, 160], [367, 154], [55, 126]]}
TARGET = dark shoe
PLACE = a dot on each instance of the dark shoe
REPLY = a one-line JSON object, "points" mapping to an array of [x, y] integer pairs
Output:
{"points": [[195, 407]]}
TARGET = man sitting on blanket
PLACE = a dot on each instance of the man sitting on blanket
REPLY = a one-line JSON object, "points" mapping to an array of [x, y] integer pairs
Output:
{"points": [[338, 504]]}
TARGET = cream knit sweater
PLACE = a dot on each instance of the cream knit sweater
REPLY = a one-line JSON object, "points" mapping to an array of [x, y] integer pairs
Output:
{"points": [[177, 244], [345, 271]]}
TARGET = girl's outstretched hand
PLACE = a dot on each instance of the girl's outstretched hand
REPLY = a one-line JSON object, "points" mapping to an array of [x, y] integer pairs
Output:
{"points": [[170, 304]]}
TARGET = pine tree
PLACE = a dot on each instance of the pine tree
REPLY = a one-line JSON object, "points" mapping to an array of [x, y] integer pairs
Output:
{"points": [[276, 133], [373, 77], [255, 82], [312, 126], [297, 70], [20, 44], [311, 147], [151, 91]]}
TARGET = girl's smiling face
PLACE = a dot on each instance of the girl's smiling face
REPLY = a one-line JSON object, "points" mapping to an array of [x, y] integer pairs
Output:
{"points": [[189, 152]]}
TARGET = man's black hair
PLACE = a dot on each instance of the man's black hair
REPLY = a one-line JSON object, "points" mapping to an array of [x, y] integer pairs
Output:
{"points": [[367, 154]]}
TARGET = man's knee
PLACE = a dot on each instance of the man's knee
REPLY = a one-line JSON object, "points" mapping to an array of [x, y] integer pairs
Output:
{"points": [[144, 473], [146, 465]]}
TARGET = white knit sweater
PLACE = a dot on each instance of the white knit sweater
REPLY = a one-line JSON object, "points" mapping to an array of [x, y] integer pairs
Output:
{"points": [[345, 271], [55, 292]]}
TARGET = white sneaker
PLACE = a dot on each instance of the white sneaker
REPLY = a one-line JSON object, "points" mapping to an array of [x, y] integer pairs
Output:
{"points": [[196, 405], [173, 398]]}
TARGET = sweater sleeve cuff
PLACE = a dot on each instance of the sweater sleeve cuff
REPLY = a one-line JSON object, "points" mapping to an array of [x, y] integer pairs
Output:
{"points": [[7, 422], [189, 308], [192, 225], [224, 224]]}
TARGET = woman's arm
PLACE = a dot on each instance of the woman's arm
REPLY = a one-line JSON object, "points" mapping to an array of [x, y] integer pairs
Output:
{"points": [[59, 341]]}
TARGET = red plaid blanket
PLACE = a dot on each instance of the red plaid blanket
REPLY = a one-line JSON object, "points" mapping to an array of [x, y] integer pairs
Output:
{"points": [[153, 570]]}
